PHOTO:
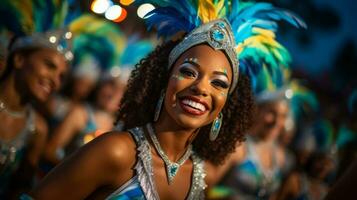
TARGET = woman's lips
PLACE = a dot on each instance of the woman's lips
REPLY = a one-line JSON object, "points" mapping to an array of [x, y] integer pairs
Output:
{"points": [[192, 107], [46, 87]]}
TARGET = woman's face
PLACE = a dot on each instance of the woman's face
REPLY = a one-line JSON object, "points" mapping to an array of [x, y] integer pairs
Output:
{"points": [[198, 87], [272, 118], [109, 96], [42, 72], [82, 87]]}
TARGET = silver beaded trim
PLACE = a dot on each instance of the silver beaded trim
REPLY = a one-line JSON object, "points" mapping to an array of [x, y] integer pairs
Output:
{"points": [[15, 114], [10, 148], [169, 165], [206, 33], [144, 170]]}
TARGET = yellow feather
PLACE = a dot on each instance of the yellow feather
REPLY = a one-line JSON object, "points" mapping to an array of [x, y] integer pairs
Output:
{"points": [[265, 32], [208, 11], [239, 48], [80, 24], [26, 9]]}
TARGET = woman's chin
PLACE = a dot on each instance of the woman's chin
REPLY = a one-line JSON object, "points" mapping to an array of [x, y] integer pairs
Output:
{"points": [[189, 123], [41, 98]]}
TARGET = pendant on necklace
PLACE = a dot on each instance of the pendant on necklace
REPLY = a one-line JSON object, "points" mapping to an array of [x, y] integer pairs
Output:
{"points": [[172, 169]]}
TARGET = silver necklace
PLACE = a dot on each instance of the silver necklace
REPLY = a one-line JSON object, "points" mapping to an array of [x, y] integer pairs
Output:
{"points": [[171, 167], [15, 114]]}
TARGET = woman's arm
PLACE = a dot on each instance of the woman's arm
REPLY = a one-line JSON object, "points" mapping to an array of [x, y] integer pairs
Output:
{"points": [[62, 135], [290, 187], [106, 161]]}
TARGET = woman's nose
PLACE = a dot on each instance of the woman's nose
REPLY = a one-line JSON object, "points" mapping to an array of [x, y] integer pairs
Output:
{"points": [[200, 87], [57, 81]]}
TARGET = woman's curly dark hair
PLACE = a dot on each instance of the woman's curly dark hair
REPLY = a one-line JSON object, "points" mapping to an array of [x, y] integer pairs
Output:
{"points": [[144, 89]]}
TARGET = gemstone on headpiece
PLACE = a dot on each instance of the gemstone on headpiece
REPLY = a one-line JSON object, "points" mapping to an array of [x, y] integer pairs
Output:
{"points": [[53, 39], [59, 48], [217, 35], [221, 24], [58, 40], [68, 35]]}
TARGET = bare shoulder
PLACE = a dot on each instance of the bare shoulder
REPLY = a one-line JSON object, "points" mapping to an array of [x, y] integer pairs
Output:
{"points": [[113, 152], [116, 146], [106, 161]]}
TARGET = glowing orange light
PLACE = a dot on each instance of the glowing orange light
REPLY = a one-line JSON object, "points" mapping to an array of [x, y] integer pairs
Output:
{"points": [[121, 17], [126, 2]]}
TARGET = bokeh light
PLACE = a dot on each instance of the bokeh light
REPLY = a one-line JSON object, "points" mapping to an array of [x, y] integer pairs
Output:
{"points": [[289, 93], [113, 12], [123, 15], [126, 2], [144, 9], [100, 6]]}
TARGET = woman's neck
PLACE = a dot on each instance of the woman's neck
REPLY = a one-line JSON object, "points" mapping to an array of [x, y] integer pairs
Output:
{"points": [[261, 135], [10, 96], [173, 139]]}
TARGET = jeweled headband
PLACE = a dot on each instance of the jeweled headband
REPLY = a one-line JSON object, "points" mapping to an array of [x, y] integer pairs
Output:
{"points": [[59, 40], [217, 34], [245, 31], [37, 24]]}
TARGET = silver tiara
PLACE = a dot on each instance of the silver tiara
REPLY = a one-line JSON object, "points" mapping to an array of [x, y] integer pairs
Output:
{"points": [[283, 93], [59, 40], [218, 34]]}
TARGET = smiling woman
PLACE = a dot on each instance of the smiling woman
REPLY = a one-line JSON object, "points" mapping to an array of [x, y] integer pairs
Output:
{"points": [[40, 69], [184, 111], [195, 98], [36, 64]]}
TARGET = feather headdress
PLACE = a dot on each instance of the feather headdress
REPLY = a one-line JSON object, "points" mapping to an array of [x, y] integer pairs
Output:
{"points": [[135, 50], [304, 101], [36, 23], [103, 47], [247, 29], [97, 44]]}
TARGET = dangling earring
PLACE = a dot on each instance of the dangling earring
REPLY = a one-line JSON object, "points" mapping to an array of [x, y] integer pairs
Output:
{"points": [[216, 126], [159, 106]]}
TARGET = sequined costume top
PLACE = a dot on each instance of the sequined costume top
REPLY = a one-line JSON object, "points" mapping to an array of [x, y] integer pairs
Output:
{"points": [[12, 151], [248, 180], [142, 185]]}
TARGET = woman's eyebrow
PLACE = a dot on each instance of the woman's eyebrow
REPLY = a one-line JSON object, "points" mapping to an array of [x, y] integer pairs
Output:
{"points": [[193, 61], [224, 73]]}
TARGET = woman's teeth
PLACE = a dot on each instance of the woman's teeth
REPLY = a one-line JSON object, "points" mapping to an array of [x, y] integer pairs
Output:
{"points": [[194, 104]]}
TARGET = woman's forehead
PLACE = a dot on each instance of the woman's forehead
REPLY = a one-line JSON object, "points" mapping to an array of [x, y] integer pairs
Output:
{"points": [[206, 56]]}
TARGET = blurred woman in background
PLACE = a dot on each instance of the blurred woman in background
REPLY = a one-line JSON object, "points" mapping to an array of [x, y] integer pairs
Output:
{"points": [[36, 64], [108, 55], [85, 121], [258, 173]]}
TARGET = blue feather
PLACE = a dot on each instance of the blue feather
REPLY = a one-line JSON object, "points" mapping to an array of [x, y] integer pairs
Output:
{"points": [[171, 17]]}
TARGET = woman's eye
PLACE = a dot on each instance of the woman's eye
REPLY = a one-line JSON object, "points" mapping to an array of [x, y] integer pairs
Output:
{"points": [[187, 72], [220, 84], [49, 64]]}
